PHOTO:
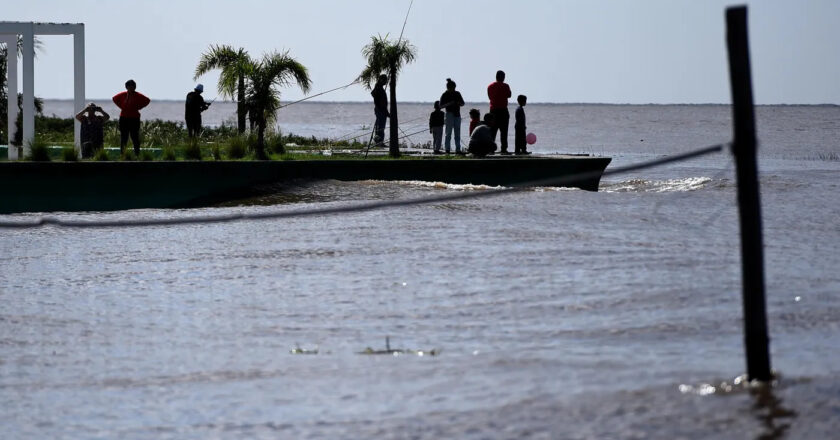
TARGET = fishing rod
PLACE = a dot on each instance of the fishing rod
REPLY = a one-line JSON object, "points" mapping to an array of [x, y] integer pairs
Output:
{"points": [[319, 94], [405, 22], [355, 134]]}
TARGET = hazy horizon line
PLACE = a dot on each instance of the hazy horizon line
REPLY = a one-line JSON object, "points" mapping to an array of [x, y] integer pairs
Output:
{"points": [[827, 104]]}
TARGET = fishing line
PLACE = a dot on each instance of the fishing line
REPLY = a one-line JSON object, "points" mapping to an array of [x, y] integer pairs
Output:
{"points": [[357, 80], [319, 94], [363, 207]]}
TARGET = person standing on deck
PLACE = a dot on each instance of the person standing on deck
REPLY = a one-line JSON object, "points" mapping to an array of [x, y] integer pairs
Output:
{"points": [[380, 109], [130, 102], [499, 92], [193, 107], [92, 129], [519, 137], [452, 101], [436, 121]]}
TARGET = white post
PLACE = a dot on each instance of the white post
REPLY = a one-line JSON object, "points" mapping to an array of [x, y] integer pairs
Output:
{"points": [[12, 87], [28, 87], [79, 81]]}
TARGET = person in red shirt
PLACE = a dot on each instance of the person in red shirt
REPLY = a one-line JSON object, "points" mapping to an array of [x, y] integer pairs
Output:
{"points": [[475, 119], [130, 102], [499, 92]]}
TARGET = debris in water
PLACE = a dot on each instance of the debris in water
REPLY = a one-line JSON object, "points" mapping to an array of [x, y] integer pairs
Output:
{"points": [[399, 351]]}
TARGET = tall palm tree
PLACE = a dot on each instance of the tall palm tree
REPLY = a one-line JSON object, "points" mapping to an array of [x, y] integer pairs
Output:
{"points": [[386, 56], [263, 99], [234, 64]]}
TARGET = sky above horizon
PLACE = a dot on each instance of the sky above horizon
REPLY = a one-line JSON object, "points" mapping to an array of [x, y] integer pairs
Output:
{"points": [[563, 51]]}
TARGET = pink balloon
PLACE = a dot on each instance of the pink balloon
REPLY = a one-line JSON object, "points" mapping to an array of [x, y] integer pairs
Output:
{"points": [[531, 139]]}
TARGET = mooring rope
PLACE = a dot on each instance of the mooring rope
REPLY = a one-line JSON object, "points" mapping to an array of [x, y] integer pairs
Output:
{"points": [[312, 212]]}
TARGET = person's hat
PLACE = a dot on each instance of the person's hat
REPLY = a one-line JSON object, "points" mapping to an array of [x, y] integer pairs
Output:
{"points": [[199, 88]]}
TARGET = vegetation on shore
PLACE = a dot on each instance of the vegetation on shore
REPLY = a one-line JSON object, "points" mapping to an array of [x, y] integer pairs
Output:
{"points": [[167, 140], [255, 84]]}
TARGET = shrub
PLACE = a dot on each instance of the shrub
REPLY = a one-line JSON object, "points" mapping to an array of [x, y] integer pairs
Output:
{"points": [[38, 151], [101, 156], [168, 153], [157, 133], [128, 155], [68, 154], [237, 147], [217, 152], [192, 150], [274, 143], [146, 156]]}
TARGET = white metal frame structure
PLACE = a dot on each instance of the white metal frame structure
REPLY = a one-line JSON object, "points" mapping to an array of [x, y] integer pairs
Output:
{"points": [[9, 32]]}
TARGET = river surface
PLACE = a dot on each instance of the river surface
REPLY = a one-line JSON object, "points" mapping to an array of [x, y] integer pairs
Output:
{"points": [[553, 313]]}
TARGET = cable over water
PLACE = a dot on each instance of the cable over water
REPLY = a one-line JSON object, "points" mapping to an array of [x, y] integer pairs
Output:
{"points": [[314, 212]]}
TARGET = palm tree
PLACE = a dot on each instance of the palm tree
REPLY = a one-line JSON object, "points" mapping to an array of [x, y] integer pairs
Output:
{"points": [[234, 64], [263, 99], [385, 56]]}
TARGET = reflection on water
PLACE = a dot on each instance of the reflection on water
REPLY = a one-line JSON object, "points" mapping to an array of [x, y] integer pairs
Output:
{"points": [[775, 419], [768, 409]]}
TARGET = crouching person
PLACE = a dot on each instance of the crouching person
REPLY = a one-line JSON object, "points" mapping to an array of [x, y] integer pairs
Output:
{"points": [[482, 139]]}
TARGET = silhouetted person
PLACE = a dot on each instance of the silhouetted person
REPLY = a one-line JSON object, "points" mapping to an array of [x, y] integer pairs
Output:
{"points": [[499, 92], [475, 119], [92, 134], [482, 141], [452, 101], [130, 102], [436, 121], [519, 143], [380, 108], [193, 106]]}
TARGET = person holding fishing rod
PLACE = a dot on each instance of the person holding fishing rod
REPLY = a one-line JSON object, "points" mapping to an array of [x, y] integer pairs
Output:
{"points": [[193, 107], [380, 108], [452, 101]]}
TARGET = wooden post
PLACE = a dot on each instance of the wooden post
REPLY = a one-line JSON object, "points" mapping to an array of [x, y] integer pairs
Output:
{"points": [[749, 203]]}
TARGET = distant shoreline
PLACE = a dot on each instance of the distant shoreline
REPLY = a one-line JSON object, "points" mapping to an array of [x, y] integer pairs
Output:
{"points": [[479, 103]]}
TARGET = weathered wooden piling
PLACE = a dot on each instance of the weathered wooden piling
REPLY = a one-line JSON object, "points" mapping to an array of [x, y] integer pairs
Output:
{"points": [[749, 202]]}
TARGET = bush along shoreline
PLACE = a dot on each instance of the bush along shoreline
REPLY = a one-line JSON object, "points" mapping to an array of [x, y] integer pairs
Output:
{"points": [[168, 140]]}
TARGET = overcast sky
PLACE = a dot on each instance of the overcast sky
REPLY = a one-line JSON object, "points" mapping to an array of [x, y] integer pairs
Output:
{"points": [[581, 51]]}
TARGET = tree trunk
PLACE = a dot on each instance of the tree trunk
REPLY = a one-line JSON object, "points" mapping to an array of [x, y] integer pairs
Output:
{"points": [[261, 140], [240, 104], [394, 124]]}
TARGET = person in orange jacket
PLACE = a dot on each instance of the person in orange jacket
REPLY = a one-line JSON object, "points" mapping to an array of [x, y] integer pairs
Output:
{"points": [[130, 102]]}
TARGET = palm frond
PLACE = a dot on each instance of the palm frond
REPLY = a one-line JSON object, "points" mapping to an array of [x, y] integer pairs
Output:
{"points": [[233, 63], [385, 56]]}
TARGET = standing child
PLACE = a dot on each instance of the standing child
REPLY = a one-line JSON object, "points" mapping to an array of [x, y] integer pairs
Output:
{"points": [[519, 127], [436, 122], [475, 119]]}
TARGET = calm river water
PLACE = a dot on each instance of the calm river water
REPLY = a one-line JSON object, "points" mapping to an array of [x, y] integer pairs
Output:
{"points": [[558, 314]]}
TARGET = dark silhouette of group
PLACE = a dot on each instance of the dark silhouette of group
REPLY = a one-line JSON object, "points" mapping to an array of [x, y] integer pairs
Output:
{"points": [[482, 132]]}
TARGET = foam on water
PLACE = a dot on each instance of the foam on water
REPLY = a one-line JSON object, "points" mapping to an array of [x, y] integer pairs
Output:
{"points": [[667, 185], [440, 185]]}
